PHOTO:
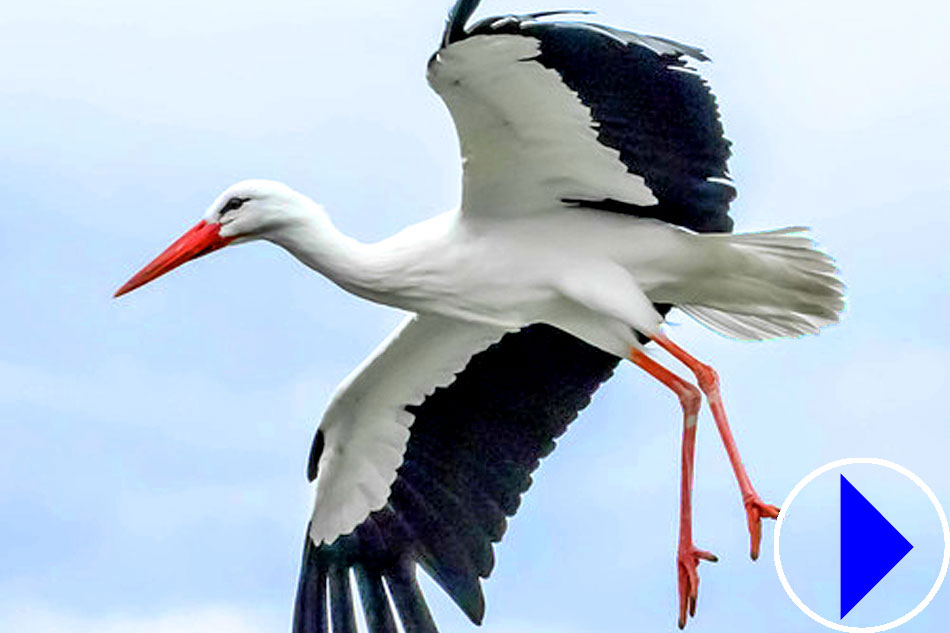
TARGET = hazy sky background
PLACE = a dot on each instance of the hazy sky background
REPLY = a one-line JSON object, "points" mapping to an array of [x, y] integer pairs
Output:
{"points": [[153, 449]]}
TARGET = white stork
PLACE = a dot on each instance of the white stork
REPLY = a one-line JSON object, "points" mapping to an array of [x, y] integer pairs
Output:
{"points": [[595, 199]]}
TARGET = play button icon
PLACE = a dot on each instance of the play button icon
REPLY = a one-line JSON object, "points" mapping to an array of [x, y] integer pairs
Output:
{"points": [[862, 545], [870, 546]]}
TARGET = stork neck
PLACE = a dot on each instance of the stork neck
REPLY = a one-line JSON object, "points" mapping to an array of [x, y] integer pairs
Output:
{"points": [[313, 239]]}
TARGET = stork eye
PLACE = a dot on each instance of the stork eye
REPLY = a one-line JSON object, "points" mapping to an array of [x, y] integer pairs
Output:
{"points": [[232, 204]]}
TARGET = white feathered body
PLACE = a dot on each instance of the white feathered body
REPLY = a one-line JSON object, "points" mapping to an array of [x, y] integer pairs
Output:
{"points": [[594, 274]]}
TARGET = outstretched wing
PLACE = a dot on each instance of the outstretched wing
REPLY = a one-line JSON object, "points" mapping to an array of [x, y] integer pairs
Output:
{"points": [[421, 456], [554, 113]]}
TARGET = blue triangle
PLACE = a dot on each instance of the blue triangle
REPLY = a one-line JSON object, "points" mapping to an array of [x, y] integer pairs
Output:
{"points": [[870, 546]]}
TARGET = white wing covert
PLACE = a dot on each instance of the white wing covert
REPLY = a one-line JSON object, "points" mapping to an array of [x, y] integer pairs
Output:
{"points": [[526, 141], [364, 431]]}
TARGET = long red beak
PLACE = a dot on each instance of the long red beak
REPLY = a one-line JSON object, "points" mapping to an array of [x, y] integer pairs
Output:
{"points": [[200, 240]]}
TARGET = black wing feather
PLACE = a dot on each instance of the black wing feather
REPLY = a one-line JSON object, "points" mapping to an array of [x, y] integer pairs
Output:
{"points": [[408, 599], [379, 618], [341, 601], [310, 615], [663, 121], [458, 17]]}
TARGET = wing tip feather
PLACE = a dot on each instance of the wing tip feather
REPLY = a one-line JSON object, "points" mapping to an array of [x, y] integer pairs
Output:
{"points": [[459, 15]]}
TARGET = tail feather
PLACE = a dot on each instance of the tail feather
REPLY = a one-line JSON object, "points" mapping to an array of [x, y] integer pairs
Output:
{"points": [[752, 327], [770, 284]]}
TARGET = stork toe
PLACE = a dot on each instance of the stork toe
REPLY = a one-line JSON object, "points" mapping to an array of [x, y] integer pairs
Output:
{"points": [[756, 510], [687, 561]]}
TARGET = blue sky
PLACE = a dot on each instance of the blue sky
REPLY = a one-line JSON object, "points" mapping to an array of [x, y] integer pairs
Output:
{"points": [[154, 449]]}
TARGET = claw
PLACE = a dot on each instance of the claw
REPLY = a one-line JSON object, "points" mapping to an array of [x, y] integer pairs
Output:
{"points": [[687, 560], [756, 510]]}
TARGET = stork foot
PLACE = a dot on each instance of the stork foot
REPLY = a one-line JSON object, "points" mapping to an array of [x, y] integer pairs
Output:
{"points": [[687, 560], [756, 510]]}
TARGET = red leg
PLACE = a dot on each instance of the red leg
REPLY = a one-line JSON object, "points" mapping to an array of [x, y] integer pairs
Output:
{"points": [[687, 556], [708, 381]]}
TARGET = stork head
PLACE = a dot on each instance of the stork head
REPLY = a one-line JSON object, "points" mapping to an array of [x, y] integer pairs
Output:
{"points": [[248, 210]]}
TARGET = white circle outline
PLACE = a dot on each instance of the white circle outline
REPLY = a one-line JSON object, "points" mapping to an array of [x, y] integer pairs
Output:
{"points": [[847, 462]]}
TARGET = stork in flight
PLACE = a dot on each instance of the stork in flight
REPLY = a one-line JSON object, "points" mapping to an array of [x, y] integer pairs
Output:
{"points": [[595, 199]]}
